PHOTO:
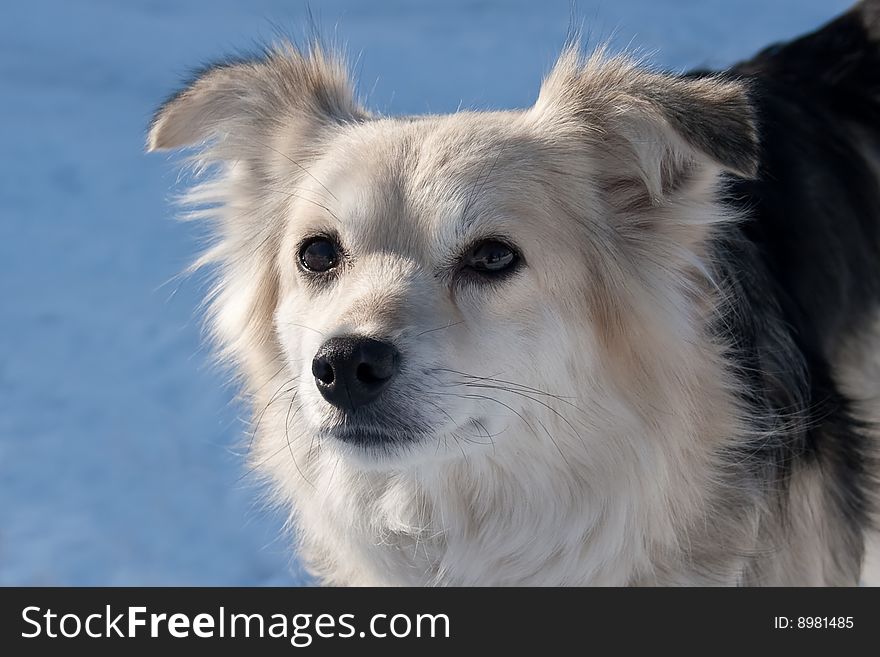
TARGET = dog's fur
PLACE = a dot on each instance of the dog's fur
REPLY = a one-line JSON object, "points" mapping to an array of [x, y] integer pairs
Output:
{"points": [[678, 385]]}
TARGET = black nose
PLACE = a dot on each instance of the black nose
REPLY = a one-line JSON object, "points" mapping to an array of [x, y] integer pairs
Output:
{"points": [[351, 370]]}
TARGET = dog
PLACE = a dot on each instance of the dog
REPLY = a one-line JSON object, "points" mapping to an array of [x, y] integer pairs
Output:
{"points": [[626, 336]]}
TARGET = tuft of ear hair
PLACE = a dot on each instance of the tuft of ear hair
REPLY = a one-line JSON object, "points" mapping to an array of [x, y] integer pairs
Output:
{"points": [[245, 98], [663, 124]]}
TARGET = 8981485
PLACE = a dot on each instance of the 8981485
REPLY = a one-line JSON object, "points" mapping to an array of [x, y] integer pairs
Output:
{"points": [[814, 622], [823, 622]]}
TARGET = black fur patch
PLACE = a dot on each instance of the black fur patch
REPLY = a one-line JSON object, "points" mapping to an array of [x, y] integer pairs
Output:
{"points": [[804, 268]]}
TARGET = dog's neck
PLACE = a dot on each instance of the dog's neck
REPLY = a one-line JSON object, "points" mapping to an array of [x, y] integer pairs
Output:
{"points": [[623, 504]]}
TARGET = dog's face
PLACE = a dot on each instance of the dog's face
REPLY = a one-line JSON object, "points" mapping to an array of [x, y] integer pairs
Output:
{"points": [[421, 269], [427, 282]]}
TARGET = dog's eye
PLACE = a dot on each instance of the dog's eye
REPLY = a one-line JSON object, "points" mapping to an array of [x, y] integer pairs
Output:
{"points": [[491, 257], [319, 254]]}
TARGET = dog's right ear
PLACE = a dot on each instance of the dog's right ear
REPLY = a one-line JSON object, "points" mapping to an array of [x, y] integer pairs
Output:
{"points": [[652, 132], [246, 101]]}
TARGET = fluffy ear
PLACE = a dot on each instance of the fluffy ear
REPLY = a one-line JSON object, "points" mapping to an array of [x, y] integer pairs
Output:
{"points": [[242, 99], [659, 128]]}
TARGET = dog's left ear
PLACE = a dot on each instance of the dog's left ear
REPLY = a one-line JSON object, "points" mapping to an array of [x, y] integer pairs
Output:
{"points": [[243, 102], [656, 128]]}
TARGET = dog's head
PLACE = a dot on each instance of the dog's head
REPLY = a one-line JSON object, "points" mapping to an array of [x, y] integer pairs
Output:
{"points": [[420, 284]]}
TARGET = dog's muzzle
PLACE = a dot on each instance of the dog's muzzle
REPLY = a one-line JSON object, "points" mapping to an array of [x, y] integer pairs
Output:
{"points": [[352, 371]]}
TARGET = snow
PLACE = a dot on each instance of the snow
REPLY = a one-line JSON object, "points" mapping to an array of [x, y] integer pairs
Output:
{"points": [[120, 447]]}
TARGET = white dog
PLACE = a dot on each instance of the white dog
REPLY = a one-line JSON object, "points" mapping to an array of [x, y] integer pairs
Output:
{"points": [[581, 343]]}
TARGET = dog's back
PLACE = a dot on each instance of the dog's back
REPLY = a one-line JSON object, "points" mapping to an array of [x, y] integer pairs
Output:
{"points": [[816, 203], [814, 230]]}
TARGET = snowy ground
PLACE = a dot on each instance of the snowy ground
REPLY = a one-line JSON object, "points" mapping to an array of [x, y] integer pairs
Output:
{"points": [[118, 445]]}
